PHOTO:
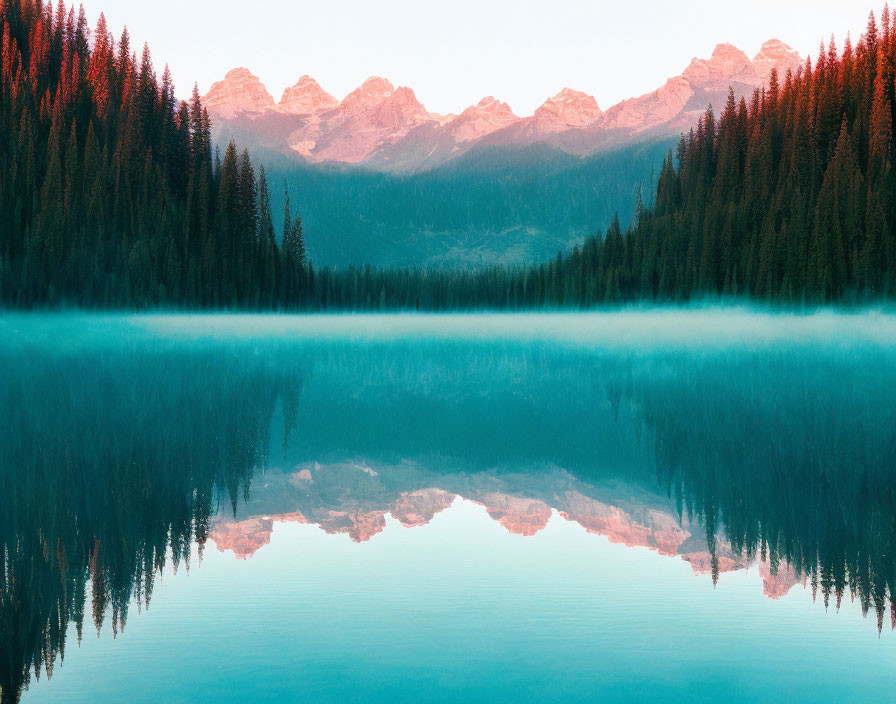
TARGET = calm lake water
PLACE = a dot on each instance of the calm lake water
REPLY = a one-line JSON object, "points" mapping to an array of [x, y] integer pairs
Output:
{"points": [[648, 506]]}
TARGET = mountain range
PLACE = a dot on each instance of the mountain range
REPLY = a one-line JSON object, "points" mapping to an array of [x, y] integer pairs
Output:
{"points": [[386, 128]]}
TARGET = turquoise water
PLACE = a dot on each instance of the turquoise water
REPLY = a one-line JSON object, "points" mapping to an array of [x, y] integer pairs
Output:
{"points": [[656, 505]]}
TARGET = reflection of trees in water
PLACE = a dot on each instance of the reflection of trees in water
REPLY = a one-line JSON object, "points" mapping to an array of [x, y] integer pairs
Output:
{"points": [[792, 457], [134, 453], [788, 455]]}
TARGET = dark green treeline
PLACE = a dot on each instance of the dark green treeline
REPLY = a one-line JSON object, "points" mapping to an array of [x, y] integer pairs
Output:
{"points": [[110, 195]]}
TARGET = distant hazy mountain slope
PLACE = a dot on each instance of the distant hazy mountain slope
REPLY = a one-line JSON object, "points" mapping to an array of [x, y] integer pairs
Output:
{"points": [[493, 205]]}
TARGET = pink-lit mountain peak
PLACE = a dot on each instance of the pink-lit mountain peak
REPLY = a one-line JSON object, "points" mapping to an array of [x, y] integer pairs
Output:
{"points": [[776, 50], [239, 73], [370, 93], [778, 55], [477, 121], [730, 64], [240, 91], [386, 105], [569, 109], [570, 97], [489, 110], [376, 85], [405, 100], [492, 106], [306, 97], [727, 63]]}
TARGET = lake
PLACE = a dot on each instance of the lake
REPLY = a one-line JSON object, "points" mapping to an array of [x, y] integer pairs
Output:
{"points": [[653, 505]]}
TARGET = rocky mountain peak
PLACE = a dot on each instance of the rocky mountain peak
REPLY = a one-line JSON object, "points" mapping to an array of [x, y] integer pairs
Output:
{"points": [[369, 94], [400, 110], [239, 73], [776, 54], [774, 49], [306, 97], [405, 96], [569, 109], [487, 116], [492, 108], [727, 63], [240, 91], [490, 103]]}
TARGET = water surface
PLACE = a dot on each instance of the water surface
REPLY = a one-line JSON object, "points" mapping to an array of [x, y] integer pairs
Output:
{"points": [[656, 505]]}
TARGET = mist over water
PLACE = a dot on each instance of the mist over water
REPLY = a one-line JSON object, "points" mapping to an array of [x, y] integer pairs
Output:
{"points": [[740, 448], [653, 327]]}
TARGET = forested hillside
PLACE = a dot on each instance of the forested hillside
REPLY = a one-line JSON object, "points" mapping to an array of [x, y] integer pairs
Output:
{"points": [[109, 192], [505, 206], [788, 197]]}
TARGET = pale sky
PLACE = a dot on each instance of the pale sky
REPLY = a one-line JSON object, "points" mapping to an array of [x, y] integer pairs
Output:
{"points": [[454, 53]]}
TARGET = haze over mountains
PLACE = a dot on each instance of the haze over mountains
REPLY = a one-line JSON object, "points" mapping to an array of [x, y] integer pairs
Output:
{"points": [[387, 128]]}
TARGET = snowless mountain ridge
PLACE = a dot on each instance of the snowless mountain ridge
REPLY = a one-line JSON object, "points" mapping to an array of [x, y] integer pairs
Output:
{"points": [[387, 128]]}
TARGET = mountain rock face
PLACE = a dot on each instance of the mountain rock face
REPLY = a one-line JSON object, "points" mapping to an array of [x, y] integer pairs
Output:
{"points": [[634, 528], [651, 110], [374, 114], [569, 109], [306, 97], [370, 94], [487, 116], [677, 105], [728, 64], [775, 54], [438, 139], [387, 128], [239, 92], [702, 563], [370, 116]]}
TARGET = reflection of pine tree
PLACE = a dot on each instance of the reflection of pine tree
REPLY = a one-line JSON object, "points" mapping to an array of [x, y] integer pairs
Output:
{"points": [[816, 498], [123, 484]]}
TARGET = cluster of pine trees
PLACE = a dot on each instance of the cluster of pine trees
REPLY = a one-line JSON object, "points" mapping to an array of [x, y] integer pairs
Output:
{"points": [[110, 193], [789, 197]]}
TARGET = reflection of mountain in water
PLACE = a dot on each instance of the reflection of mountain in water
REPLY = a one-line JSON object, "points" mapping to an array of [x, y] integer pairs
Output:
{"points": [[782, 454], [355, 498], [116, 459]]}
